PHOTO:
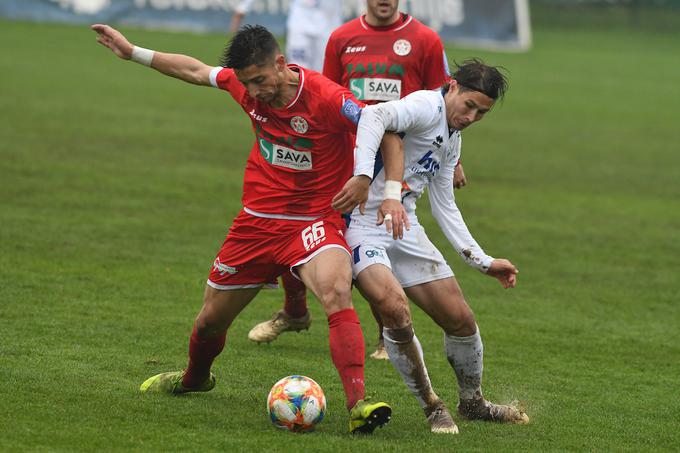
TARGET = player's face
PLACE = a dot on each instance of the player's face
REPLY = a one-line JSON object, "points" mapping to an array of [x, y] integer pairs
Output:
{"points": [[263, 82], [466, 107], [383, 10]]}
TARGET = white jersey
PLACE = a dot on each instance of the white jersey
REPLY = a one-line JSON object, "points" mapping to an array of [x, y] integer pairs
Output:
{"points": [[310, 24], [314, 17], [431, 152]]}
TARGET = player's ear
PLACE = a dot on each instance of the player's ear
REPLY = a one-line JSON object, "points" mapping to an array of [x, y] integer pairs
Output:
{"points": [[453, 86], [280, 62]]}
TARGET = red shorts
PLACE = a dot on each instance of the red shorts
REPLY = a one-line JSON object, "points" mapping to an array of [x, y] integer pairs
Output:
{"points": [[257, 250]]}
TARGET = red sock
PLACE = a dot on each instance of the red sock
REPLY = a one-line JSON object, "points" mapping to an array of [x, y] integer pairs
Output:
{"points": [[296, 296], [202, 352], [347, 351]]}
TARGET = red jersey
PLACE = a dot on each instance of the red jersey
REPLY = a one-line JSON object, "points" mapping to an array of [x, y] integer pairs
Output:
{"points": [[385, 63], [303, 153]]}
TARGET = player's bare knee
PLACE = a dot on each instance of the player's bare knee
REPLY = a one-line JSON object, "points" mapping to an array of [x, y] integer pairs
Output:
{"points": [[209, 323], [336, 296], [206, 328], [463, 325], [394, 310]]}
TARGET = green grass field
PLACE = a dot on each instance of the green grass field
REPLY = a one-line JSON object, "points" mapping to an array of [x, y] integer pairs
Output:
{"points": [[118, 186]]}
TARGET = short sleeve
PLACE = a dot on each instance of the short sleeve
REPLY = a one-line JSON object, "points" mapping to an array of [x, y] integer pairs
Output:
{"points": [[435, 65], [343, 110], [225, 79], [332, 66]]}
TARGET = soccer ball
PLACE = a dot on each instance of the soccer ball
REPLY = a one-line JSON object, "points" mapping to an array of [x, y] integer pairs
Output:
{"points": [[296, 403]]}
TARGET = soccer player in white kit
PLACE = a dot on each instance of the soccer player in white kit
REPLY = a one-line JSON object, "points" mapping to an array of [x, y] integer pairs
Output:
{"points": [[308, 27], [387, 271]]}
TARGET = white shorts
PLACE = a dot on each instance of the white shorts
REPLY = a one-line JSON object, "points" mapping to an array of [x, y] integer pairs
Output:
{"points": [[414, 260], [305, 49]]}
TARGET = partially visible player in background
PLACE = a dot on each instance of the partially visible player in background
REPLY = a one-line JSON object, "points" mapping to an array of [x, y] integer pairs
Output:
{"points": [[309, 24], [383, 55], [308, 27], [239, 13]]}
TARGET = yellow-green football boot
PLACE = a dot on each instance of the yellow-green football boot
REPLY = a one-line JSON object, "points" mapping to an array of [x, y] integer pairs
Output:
{"points": [[172, 383], [365, 417]]}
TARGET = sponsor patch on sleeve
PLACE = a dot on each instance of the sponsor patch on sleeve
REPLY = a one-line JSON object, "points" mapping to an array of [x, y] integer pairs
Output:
{"points": [[351, 111]]}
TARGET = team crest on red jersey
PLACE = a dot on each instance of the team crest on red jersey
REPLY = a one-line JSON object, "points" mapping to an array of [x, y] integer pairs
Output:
{"points": [[401, 47], [299, 124]]}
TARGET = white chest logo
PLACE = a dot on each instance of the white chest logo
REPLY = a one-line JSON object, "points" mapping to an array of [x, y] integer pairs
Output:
{"points": [[401, 47], [299, 124]]}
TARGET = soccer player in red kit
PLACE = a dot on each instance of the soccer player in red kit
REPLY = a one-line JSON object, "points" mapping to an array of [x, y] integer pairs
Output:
{"points": [[383, 55], [304, 126]]}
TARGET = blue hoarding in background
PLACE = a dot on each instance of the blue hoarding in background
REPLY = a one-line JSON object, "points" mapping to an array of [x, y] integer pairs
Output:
{"points": [[493, 24]]}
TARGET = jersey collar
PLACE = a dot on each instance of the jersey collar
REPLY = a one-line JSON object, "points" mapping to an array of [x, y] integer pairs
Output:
{"points": [[401, 23], [300, 70]]}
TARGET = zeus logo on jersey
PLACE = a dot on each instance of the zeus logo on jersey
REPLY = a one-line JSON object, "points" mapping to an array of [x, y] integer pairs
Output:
{"points": [[257, 117], [429, 163], [376, 89], [285, 157]]}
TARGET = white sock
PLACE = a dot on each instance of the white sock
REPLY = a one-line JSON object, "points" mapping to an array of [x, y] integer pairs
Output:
{"points": [[466, 356], [406, 355]]}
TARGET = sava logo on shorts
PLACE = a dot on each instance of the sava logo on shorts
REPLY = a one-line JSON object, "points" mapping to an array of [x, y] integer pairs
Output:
{"points": [[223, 268], [376, 89], [285, 157]]}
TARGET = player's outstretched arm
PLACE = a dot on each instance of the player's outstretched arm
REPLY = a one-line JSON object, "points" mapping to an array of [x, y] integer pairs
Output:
{"points": [[179, 66], [504, 271]]}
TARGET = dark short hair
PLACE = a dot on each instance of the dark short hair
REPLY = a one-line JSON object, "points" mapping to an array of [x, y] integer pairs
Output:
{"points": [[252, 44], [474, 75]]}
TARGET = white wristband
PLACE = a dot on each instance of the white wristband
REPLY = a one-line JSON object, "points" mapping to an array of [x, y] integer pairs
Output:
{"points": [[142, 56], [392, 190]]}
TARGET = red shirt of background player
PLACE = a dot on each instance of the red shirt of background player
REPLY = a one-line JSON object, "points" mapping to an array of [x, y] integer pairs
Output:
{"points": [[407, 52]]}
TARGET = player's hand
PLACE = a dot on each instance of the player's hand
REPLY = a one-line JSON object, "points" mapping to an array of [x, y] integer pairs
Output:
{"points": [[504, 271], [114, 40], [459, 179], [354, 192], [393, 215]]}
